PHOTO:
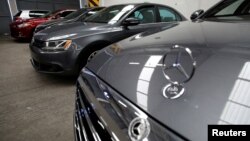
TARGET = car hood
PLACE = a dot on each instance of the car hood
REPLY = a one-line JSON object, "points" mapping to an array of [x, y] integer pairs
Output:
{"points": [[217, 93], [53, 22], [72, 30]]}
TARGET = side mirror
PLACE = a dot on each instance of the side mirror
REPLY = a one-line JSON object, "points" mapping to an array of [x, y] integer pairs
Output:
{"points": [[196, 14], [130, 22]]}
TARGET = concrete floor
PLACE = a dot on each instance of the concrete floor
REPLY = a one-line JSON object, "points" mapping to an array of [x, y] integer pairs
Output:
{"points": [[33, 106]]}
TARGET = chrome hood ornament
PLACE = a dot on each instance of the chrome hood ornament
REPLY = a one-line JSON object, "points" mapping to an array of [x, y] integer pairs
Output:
{"points": [[139, 129], [178, 68]]}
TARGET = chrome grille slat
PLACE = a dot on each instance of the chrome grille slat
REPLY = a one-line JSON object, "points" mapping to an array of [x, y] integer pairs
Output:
{"points": [[109, 130], [81, 127], [89, 122], [83, 131]]}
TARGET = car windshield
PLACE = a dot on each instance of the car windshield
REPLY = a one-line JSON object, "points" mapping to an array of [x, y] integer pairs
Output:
{"points": [[110, 15], [49, 14], [230, 8], [75, 14]]}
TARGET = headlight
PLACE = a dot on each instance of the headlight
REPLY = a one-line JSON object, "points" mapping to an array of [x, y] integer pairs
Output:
{"points": [[57, 45], [23, 25]]}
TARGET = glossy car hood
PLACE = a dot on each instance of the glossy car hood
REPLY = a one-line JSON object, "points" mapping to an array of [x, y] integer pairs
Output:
{"points": [[218, 92], [74, 30], [52, 22]]}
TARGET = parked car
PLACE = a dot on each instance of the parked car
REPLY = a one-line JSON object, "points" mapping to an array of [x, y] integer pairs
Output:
{"points": [[65, 49], [28, 14], [24, 29], [171, 84], [78, 15]]}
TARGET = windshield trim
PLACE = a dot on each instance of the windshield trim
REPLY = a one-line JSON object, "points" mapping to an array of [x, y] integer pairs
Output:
{"points": [[78, 12], [121, 13]]}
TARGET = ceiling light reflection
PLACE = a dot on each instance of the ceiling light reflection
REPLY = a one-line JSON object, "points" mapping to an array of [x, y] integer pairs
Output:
{"points": [[115, 137], [144, 80], [237, 108], [134, 63], [124, 105]]}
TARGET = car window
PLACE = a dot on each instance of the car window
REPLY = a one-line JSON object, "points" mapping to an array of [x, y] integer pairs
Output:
{"points": [[229, 8], [145, 15], [90, 13], [76, 13], [65, 13], [35, 14], [97, 9], [50, 14], [168, 15]]}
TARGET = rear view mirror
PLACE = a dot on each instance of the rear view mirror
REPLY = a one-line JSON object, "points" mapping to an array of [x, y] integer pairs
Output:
{"points": [[196, 14], [131, 22]]}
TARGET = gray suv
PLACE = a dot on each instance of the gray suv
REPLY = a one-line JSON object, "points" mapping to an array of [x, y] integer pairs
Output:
{"points": [[65, 49]]}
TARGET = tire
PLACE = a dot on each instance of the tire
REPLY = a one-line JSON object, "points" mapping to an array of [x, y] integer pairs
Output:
{"points": [[86, 58], [89, 52], [91, 56]]}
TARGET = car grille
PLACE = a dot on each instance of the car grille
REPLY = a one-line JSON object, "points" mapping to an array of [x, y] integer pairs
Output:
{"points": [[39, 43], [102, 114], [87, 124]]}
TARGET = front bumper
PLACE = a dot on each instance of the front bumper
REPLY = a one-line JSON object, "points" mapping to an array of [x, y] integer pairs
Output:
{"points": [[59, 62], [21, 33], [103, 114]]}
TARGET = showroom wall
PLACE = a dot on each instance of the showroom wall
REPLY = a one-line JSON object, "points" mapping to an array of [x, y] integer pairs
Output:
{"points": [[47, 4], [186, 7], [4, 17]]}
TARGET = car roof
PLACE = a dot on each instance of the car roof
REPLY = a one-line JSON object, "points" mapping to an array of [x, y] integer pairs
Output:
{"points": [[144, 3], [34, 10], [66, 9]]}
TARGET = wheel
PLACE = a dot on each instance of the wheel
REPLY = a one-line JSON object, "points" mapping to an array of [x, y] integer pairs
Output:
{"points": [[85, 60]]}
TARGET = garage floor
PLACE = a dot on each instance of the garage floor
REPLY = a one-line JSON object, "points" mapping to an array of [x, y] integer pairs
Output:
{"points": [[33, 106]]}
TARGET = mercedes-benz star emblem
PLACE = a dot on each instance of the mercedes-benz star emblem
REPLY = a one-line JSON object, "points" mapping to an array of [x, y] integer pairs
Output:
{"points": [[179, 67], [139, 129]]}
